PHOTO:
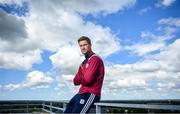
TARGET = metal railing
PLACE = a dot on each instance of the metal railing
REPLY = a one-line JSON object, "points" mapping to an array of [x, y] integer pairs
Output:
{"points": [[138, 106], [32, 106], [48, 106], [100, 107], [19, 106]]}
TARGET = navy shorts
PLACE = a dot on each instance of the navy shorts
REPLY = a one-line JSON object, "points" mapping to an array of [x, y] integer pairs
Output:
{"points": [[81, 103]]}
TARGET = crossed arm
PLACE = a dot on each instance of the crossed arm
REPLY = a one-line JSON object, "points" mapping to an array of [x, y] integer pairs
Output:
{"points": [[87, 76]]}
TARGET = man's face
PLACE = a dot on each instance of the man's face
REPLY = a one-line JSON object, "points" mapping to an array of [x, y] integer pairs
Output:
{"points": [[84, 46]]}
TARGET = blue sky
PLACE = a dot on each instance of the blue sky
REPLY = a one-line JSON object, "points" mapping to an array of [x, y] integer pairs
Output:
{"points": [[139, 41]]}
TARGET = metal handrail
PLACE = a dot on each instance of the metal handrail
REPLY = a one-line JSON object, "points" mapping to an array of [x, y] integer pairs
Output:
{"points": [[47, 111], [49, 106], [140, 106]]}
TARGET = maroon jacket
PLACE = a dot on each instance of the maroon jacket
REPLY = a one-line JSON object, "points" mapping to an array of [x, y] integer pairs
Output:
{"points": [[90, 75]]}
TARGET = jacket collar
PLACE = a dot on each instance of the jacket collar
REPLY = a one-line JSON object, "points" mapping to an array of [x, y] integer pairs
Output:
{"points": [[87, 56]]}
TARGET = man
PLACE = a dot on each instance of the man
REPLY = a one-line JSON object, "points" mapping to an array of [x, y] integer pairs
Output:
{"points": [[90, 76]]}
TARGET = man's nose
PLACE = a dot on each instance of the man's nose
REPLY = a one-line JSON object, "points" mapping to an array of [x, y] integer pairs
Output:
{"points": [[83, 47]]}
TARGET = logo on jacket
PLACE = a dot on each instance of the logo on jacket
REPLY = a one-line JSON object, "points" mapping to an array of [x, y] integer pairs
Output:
{"points": [[82, 101], [87, 65]]}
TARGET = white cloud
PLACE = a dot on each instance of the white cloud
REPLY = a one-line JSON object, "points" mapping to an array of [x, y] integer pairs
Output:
{"points": [[164, 3], [17, 51], [146, 66], [151, 42], [169, 57], [67, 28], [12, 28], [69, 25], [65, 85], [167, 2], [83, 7], [68, 78], [89, 7], [166, 85], [142, 49], [21, 61], [127, 82], [61, 25], [170, 21], [156, 73], [126, 77], [67, 59], [142, 11], [34, 80], [12, 87], [150, 37], [19, 2], [57, 30], [37, 78], [168, 31]]}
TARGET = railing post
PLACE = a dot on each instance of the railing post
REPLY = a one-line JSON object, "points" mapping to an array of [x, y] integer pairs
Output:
{"points": [[98, 109], [43, 104], [126, 111], [64, 106], [51, 107], [27, 107]]}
